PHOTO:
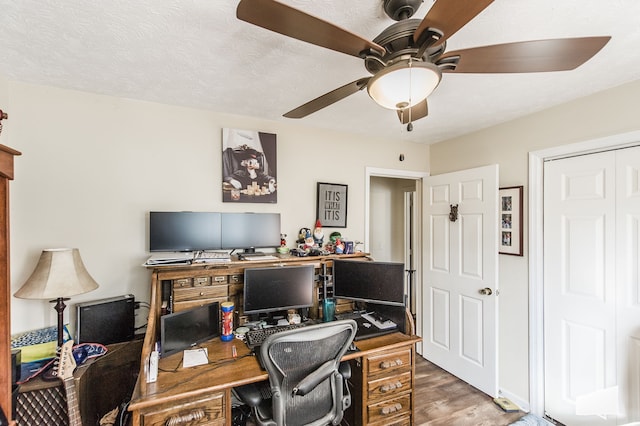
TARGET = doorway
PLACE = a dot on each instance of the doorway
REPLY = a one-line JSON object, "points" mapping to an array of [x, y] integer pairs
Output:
{"points": [[393, 226]]}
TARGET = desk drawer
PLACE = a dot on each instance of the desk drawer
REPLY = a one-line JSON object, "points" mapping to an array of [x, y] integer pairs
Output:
{"points": [[182, 283], [402, 421], [392, 411], [189, 304], [392, 361], [389, 386], [207, 410], [210, 292]]}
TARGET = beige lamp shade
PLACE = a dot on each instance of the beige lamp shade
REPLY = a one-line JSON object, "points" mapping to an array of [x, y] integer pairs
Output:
{"points": [[59, 273]]}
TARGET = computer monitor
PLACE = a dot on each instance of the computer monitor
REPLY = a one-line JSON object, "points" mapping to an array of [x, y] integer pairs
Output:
{"points": [[248, 231], [374, 282], [184, 329], [184, 231], [273, 289]]}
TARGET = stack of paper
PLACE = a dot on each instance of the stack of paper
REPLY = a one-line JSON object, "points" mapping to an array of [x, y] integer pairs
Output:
{"points": [[177, 258]]}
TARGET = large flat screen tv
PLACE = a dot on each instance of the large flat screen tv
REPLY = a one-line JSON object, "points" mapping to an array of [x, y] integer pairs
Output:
{"points": [[375, 282], [184, 329], [248, 231], [274, 289], [184, 231]]}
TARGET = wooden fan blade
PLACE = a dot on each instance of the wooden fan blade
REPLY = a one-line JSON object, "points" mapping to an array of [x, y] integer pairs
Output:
{"points": [[449, 16], [418, 111], [328, 98], [527, 56], [292, 22]]}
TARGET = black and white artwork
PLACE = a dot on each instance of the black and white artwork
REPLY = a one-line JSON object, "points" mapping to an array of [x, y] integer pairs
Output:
{"points": [[249, 169], [332, 205]]}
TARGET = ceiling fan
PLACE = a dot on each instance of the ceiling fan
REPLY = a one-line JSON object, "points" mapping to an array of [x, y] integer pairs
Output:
{"points": [[407, 59]]}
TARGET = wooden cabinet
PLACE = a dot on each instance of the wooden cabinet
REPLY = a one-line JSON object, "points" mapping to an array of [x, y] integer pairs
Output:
{"points": [[383, 387], [6, 174]]}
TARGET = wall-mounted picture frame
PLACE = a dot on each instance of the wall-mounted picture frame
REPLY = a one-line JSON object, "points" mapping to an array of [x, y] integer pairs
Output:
{"points": [[510, 218], [332, 205], [249, 166]]}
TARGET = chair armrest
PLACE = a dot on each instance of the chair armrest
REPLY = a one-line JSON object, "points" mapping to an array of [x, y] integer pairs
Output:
{"points": [[249, 394], [309, 383], [345, 370]]}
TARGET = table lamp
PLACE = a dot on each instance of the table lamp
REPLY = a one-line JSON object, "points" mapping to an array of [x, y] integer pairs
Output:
{"points": [[59, 275]]}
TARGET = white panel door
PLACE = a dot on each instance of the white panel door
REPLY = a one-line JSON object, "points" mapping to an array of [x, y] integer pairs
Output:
{"points": [[459, 320], [591, 210], [628, 280]]}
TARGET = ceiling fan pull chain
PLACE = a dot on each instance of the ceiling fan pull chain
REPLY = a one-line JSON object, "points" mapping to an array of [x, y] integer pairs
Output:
{"points": [[410, 124]]}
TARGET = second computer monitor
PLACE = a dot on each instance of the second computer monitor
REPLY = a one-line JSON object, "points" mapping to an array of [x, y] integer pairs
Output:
{"points": [[374, 282], [274, 289]]}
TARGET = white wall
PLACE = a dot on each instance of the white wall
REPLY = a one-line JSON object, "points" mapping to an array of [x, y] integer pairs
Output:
{"points": [[93, 167], [607, 113]]}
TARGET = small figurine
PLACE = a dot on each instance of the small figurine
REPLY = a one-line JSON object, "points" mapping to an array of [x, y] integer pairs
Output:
{"points": [[318, 234], [283, 244], [302, 234], [308, 239]]}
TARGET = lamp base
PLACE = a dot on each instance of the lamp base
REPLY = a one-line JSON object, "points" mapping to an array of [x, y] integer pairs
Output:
{"points": [[59, 307]]}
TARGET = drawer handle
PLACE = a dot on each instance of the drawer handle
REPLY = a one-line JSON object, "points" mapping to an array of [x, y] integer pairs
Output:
{"points": [[390, 386], [201, 293], [388, 364], [185, 418], [390, 409]]}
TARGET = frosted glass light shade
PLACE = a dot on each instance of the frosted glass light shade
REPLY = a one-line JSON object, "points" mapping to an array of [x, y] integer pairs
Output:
{"points": [[404, 84], [59, 273]]}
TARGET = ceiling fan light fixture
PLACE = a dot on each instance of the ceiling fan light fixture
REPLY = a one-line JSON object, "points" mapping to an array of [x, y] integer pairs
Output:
{"points": [[404, 84]]}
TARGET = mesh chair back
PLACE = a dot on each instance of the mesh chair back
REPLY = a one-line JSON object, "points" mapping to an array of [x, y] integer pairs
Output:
{"points": [[291, 356]]}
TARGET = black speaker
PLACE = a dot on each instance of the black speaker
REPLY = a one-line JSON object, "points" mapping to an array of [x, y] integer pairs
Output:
{"points": [[106, 321], [16, 365]]}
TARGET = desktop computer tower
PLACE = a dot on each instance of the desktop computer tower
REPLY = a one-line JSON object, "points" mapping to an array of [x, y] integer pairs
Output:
{"points": [[106, 321]]}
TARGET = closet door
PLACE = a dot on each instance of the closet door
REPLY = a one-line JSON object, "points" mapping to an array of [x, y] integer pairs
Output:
{"points": [[628, 279], [590, 211]]}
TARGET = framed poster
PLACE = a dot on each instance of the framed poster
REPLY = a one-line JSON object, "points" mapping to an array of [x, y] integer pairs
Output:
{"points": [[249, 167], [332, 205], [511, 220]]}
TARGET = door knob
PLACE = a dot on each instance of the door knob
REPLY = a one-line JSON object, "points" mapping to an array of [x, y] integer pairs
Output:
{"points": [[486, 291]]}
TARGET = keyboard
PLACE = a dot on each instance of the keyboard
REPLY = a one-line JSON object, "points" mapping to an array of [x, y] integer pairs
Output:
{"points": [[254, 338], [211, 256], [258, 258]]}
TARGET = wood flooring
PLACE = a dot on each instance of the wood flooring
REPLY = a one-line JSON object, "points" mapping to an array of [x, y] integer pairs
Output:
{"points": [[443, 399]]}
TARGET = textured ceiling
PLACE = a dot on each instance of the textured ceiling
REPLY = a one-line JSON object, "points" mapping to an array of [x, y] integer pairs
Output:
{"points": [[196, 53]]}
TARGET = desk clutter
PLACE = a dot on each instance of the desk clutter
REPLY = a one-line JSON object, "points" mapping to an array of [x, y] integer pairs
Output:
{"points": [[273, 297]]}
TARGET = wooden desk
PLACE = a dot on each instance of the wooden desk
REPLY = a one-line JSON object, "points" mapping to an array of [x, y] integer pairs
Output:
{"points": [[382, 375], [382, 384]]}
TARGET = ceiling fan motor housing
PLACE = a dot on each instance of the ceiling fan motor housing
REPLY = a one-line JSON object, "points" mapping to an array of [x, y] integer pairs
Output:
{"points": [[399, 10], [397, 40]]}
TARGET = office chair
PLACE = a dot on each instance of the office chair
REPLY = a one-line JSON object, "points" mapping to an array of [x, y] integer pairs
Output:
{"points": [[307, 380]]}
